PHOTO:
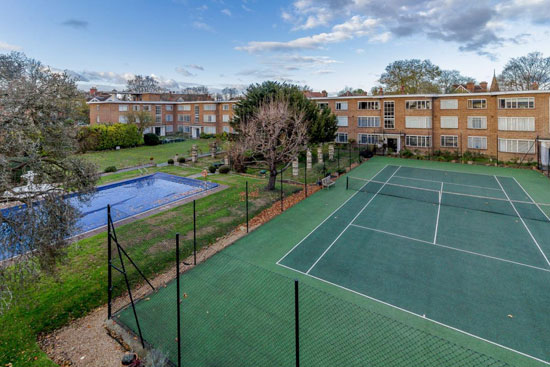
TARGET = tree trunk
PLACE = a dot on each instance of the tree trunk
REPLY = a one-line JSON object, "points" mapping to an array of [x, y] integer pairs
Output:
{"points": [[272, 179]]}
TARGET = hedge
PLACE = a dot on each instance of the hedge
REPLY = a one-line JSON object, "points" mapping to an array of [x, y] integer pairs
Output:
{"points": [[109, 136]]}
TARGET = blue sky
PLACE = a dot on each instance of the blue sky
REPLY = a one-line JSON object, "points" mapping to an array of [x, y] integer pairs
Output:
{"points": [[326, 44]]}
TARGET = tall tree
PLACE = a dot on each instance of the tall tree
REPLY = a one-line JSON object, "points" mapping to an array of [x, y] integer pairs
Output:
{"points": [[322, 126], [142, 119], [414, 76], [37, 111], [143, 84], [448, 78], [274, 134], [521, 73], [230, 93]]}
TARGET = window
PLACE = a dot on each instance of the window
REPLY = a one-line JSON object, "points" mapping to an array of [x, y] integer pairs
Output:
{"points": [[169, 118], [209, 118], [341, 106], [146, 108], [123, 107], [169, 128], [184, 107], [477, 122], [449, 104], [516, 123], [322, 105], [341, 137], [420, 141], [418, 105], [210, 107], [225, 107], [342, 120], [184, 129], [418, 122], [135, 107], [368, 139], [476, 104], [168, 107], [158, 110], [449, 141], [370, 105], [389, 115], [123, 119], [209, 129], [225, 118], [226, 129], [520, 102], [368, 121], [196, 109], [477, 142], [184, 118], [516, 146], [449, 122]]}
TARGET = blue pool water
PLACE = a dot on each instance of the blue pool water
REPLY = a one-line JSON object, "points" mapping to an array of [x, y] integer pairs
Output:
{"points": [[132, 197]]}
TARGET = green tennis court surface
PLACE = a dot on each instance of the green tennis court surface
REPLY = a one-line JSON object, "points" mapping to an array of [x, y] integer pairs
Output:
{"points": [[469, 251], [413, 264]]}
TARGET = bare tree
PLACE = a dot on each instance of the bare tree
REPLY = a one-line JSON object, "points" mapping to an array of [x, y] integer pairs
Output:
{"points": [[274, 135], [37, 134], [143, 84], [522, 73], [230, 93], [449, 78], [142, 119]]}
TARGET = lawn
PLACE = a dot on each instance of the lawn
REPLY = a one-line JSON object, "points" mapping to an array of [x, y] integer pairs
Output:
{"points": [[80, 283], [131, 157]]}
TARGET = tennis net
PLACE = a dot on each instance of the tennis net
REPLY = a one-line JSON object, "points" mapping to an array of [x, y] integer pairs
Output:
{"points": [[514, 208]]}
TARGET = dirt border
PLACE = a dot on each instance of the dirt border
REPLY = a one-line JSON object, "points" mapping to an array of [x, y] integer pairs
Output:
{"points": [[93, 341]]}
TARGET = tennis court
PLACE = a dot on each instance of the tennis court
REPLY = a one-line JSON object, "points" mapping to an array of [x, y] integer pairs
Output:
{"points": [[464, 250]]}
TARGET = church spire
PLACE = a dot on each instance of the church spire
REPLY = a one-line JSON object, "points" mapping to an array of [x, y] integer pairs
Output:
{"points": [[494, 83]]}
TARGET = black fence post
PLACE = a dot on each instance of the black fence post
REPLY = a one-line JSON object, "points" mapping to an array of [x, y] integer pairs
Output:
{"points": [[109, 262], [338, 147], [349, 144], [178, 305], [347, 182], [305, 178], [246, 206], [194, 233], [297, 322], [281, 190]]}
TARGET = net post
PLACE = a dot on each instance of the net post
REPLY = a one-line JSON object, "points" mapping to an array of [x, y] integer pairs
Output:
{"points": [[194, 233], [178, 304], [109, 262], [347, 182], [246, 206], [297, 322]]}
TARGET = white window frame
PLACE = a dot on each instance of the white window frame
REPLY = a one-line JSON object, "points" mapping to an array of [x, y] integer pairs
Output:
{"points": [[482, 140], [418, 104], [322, 104], [418, 122], [225, 129], [225, 107], [370, 105], [122, 108], [341, 138], [123, 119], [169, 128], [444, 139], [523, 146], [209, 107], [225, 118], [389, 118], [343, 121], [209, 130], [168, 107], [370, 138], [472, 103], [184, 107], [448, 104], [516, 123], [209, 118], [473, 119], [341, 106], [368, 121], [169, 118], [420, 141], [135, 107], [449, 122], [146, 107], [514, 103]]}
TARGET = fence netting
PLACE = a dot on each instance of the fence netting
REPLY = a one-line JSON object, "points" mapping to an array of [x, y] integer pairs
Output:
{"points": [[234, 313]]}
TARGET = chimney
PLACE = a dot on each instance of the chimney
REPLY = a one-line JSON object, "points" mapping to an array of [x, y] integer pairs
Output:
{"points": [[470, 86], [534, 86], [483, 86], [402, 89], [93, 91], [324, 93], [381, 91]]}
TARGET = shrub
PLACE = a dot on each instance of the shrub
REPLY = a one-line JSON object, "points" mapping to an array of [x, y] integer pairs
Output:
{"points": [[108, 136], [212, 169], [181, 160], [207, 136], [224, 169], [170, 161], [109, 169], [151, 139], [406, 153], [341, 171]]}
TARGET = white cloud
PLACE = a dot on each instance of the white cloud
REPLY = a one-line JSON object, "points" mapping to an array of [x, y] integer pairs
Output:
{"points": [[9, 47], [226, 12], [356, 26], [202, 26], [195, 66], [183, 71], [381, 38], [360, 51]]}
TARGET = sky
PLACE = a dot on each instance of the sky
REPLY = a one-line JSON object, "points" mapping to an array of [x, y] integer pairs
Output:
{"points": [[325, 44]]}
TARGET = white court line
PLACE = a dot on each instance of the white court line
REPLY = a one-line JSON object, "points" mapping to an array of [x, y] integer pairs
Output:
{"points": [[349, 224], [452, 248], [438, 211], [522, 221], [329, 216], [529, 196], [444, 170], [450, 183], [423, 317]]}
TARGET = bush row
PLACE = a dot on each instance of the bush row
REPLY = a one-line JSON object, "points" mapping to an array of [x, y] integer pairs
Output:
{"points": [[102, 137]]}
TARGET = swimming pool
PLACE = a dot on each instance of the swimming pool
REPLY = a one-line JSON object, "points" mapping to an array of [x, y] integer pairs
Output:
{"points": [[132, 197]]}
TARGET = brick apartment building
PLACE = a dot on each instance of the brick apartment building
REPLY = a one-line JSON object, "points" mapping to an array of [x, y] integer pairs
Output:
{"points": [[507, 125]]}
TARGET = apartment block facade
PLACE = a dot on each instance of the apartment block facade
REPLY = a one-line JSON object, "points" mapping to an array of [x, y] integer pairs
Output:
{"points": [[507, 125]]}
